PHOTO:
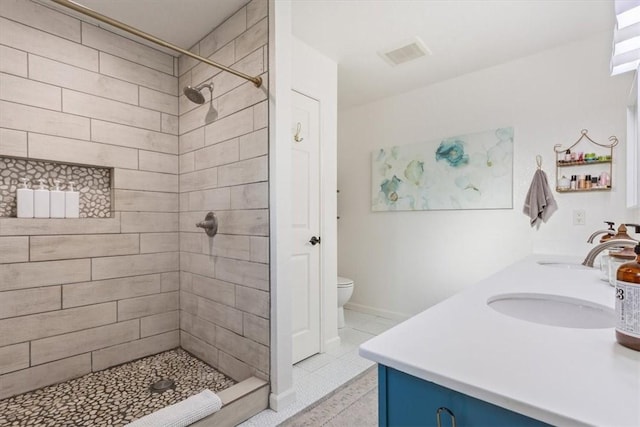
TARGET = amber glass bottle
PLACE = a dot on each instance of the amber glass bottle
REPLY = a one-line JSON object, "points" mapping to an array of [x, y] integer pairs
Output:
{"points": [[628, 303]]}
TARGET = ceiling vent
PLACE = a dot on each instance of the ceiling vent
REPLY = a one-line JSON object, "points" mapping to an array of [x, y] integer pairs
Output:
{"points": [[405, 52]]}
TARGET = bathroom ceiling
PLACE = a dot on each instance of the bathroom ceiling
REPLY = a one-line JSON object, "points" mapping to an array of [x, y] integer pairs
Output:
{"points": [[181, 22], [463, 35]]}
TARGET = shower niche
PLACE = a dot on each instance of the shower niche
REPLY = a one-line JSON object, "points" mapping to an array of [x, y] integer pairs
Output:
{"points": [[93, 183]]}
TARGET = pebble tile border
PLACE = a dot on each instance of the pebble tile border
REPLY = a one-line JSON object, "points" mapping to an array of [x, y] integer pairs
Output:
{"points": [[93, 183], [115, 396]]}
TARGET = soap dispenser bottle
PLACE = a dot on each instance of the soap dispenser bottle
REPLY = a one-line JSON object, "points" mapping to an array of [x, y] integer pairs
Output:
{"points": [[25, 200], [41, 201], [57, 201], [628, 303], [72, 202], [610, 232]]}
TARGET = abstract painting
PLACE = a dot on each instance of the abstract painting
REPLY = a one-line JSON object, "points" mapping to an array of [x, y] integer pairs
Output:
{"points": [[472, 171]]}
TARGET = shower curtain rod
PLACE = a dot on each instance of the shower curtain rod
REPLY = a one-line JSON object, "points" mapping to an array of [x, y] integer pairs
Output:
{"points": [[86, 11]]}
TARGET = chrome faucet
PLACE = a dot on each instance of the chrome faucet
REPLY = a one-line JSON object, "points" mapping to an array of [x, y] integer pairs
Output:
{"points": [[610, 231], [611, 243], [599, 232]]}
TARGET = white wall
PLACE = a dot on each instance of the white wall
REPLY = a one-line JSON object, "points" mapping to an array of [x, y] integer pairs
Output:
{"points": [[404, 262], [633, 147], [282, 392], [316, 76]]}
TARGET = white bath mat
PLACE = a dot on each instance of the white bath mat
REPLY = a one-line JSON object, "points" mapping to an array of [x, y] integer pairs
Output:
{"points": [[182, 413]]}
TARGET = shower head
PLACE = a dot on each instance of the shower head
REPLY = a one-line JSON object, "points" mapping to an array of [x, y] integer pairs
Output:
{"points": [[194, 93]]}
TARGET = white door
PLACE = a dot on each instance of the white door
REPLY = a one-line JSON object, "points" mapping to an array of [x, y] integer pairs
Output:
{"points": [[305, 204]]}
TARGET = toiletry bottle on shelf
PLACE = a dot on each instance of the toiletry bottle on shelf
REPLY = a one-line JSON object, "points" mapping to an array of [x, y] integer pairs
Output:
{"points": [[41, 201], [25, 200], [57, 201], [628, 303], [564, 183], [72, 202], [573, 184]]}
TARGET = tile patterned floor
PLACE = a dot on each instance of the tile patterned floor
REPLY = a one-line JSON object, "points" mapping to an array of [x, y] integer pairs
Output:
{"points": [[115, 396], [354, 405], [319, 375]]}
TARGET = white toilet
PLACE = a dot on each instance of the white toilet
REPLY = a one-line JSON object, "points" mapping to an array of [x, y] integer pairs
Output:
{"points": [[345, 290]]}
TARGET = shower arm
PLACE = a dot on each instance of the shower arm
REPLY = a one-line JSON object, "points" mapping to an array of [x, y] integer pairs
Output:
{"points": [[102, 18], [203, 85]]}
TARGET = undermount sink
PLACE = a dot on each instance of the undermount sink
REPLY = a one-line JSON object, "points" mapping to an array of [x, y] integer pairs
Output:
{"points": [[565, 265], [554, 310]]}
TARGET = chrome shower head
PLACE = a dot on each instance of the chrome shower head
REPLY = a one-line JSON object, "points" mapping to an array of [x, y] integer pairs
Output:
{"points": [[194, 93]]}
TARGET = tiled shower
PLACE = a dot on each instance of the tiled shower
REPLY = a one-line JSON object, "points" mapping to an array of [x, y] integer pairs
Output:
{"points": [[82, 295]]}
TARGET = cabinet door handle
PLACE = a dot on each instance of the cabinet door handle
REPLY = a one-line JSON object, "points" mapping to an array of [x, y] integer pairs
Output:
{"points": [[447, 410]]}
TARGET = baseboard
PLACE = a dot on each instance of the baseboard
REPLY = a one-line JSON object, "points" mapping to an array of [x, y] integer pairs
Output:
{"points": [[278, 402], [387, 314]]}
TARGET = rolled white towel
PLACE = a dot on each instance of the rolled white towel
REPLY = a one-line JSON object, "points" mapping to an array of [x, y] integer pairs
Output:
{"points": [[182, 413]]}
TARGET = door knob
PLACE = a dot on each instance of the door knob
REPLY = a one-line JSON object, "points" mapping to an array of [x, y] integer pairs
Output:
{"points": [[314, 240]]}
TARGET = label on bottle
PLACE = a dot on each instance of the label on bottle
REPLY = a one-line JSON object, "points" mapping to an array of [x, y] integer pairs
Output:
{"points": [[628, 308]]}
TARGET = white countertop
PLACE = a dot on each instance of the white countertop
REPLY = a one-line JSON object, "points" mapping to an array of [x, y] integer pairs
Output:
{"points": [[562, 376]]}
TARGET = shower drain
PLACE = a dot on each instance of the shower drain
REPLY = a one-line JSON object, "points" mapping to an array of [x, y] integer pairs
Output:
{"points": [[162, 385]]}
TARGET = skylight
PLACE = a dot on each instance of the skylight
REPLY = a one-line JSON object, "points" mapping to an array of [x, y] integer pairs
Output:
{"points": [[626, 37]]}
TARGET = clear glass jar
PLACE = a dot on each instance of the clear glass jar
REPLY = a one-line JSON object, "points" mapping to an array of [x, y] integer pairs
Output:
{"points": [[604, 266], [615, 261]]}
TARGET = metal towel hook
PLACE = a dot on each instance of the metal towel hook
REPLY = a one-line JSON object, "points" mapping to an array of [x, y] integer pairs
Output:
{"points": [[297, 137]]}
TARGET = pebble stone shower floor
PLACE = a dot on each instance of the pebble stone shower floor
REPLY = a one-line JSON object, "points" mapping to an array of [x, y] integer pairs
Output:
{"points": [[115, 396]]}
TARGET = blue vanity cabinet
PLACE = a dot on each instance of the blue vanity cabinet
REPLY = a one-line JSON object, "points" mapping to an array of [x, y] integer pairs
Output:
{"points": [[404, 400]]}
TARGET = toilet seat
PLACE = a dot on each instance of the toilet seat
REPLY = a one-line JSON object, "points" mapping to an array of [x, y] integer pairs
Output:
{"points": [[343, 282]]}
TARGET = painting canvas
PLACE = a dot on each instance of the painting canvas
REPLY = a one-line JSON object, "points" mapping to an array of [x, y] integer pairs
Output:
{"points": [[472, 171]]}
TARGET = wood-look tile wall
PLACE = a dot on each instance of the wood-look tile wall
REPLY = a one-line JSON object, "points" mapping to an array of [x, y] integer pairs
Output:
{"points": [[223, 150], [80, 295]]}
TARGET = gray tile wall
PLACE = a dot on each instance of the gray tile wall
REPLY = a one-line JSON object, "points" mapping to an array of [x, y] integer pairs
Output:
{"points": [[80, 295], [223, 161]]}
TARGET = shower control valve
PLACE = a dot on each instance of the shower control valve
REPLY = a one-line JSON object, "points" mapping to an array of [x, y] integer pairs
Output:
{"points": [[210, 224]]}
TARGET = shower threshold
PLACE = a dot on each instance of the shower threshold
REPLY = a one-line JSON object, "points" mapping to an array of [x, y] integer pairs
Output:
{"points": [[118, 395]]}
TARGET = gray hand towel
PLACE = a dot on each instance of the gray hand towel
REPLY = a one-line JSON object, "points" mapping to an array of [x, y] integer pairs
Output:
{"points": [[539, 203]]}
